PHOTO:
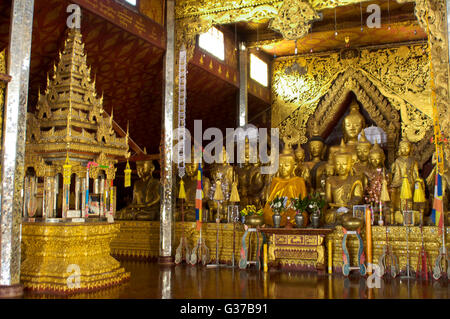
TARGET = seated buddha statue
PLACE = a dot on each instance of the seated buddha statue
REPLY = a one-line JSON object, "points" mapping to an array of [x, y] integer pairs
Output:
{"points": [[224, 173], [146, 195], [404, 165], [362, 166], [316, 165], [250, 180], [342, 191], [352, 125], [328, 171], [190, 186], [301, 169], [285, 184]]}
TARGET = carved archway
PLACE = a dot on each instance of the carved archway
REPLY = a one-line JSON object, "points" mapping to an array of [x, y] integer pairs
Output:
{"points": [[376, 105]]}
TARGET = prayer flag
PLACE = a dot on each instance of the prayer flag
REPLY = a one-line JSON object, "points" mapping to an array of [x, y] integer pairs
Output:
{"points": [[437, 214]]}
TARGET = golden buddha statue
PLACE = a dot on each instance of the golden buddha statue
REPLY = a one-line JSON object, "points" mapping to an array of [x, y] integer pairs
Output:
{"points": [[190, 186], [342, 191], [327, 172], [362, 166], [301, 169], [316, 165], [224, 173], [404, 165], [286, 184], [146, 195], [250, 180], [352, 125]]}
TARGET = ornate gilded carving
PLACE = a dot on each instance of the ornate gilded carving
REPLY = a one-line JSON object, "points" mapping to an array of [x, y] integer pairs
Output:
{"points": [[70, 119], [49, 249], [294, 19], [437, 21], [392, 84]]}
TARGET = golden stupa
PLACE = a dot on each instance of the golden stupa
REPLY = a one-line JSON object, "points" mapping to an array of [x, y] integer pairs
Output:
{"points": [[70, 127]]}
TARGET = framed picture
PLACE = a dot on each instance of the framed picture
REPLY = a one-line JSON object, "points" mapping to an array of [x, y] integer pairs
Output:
{"points": [[408, 218], [94, 205]]}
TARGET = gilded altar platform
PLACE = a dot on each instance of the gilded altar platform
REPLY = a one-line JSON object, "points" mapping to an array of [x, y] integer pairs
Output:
{"points": [[140, 239], [397, 241], [64, 258]]}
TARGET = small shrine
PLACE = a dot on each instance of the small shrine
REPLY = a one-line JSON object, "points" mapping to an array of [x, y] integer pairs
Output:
{"points": [[71, 147]]}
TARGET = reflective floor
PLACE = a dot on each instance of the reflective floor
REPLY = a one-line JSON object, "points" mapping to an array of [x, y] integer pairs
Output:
{"points": [[149, 280]]}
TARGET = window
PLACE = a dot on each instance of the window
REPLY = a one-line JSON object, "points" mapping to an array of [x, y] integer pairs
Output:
{"points": [[258, 70], [212, 41], [132, 2]]}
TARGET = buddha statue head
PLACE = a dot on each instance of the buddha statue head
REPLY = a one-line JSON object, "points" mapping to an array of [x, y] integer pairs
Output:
{"points": [[376, 156], [300, 154], [316, 143], [404, 148], [343, 163], [191, 168], [353, 123], [329, 169], [287, 163], [363, 148], [145, 169]]}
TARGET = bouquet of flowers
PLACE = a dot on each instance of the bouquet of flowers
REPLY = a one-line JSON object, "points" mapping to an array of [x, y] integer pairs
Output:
{"points": [[315, 202], [251, 210], [298, 204], [279, 204]]}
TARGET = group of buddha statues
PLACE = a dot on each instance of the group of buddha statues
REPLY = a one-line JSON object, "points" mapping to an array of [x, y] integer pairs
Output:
{"points": [[342, 174]]}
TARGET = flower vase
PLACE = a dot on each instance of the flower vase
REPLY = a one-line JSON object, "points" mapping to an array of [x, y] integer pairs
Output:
{"points": [[315, 219], [299, 219], [276, 219], [243, 219]]}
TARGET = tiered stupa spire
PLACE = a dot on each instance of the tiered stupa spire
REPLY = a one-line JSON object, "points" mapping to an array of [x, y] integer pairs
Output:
{"points": [[69, 116]]}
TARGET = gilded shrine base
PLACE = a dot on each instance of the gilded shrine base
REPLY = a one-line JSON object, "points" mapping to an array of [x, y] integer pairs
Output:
{"points": [[54, 254]]}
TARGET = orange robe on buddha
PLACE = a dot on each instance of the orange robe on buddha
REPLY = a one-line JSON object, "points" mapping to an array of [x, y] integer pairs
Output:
{"points": [[289, 188]]}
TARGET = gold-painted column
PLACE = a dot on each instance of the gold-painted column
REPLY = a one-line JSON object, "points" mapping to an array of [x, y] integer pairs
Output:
{"points": [[167, 199], [14, 146], [243, 90]]}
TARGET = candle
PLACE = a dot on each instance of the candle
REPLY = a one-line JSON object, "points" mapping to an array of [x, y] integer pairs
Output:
{"points": [[330, 256], [265, 258], [369, 239]]}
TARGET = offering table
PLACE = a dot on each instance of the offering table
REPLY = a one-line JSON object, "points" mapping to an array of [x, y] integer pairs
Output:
{"points": [[297, 248]]}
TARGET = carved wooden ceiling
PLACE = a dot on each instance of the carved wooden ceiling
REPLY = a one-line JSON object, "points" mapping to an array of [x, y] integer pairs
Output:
{"points": [[398, 16]]}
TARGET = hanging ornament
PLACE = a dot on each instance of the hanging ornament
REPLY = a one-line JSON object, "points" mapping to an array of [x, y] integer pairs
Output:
{"points": [[182, 193], [360, 9], [405, 191], [127, 172], [419, 194], [335, 23], [234, 197], [182, 111], [218, 195], [67, 171], [384, 197]]}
